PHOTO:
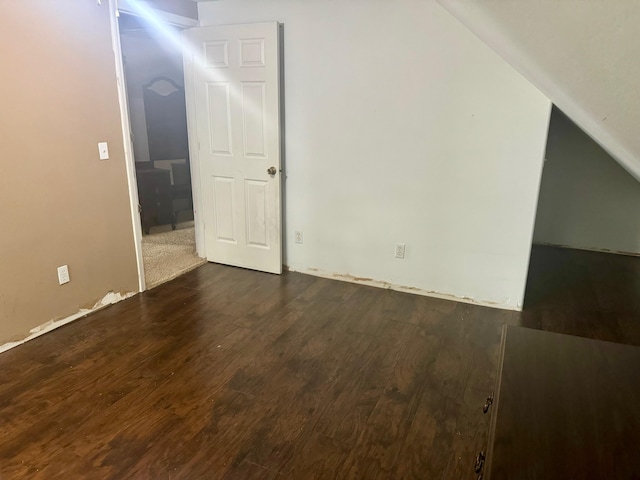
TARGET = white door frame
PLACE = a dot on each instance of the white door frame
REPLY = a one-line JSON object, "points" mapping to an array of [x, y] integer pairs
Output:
{"points": [[167, 18], [194, 158]]}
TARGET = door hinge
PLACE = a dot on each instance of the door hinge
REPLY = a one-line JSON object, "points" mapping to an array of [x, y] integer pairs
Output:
{"points": [[487, 404]]}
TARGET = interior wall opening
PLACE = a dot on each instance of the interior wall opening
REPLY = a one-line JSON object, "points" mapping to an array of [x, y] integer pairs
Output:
{"points": [[587, 202], [154, 78]]}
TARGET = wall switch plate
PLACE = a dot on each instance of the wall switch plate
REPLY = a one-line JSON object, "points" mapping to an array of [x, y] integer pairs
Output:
{"points": [[299, 236], [63, 274], [103, 150], [399, 250]]}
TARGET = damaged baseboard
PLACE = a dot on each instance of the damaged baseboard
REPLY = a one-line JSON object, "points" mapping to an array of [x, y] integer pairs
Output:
{"points": [[400, 288], [109, 299]]}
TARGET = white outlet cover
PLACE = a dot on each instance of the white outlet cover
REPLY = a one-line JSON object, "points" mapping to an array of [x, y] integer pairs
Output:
{"points": [[103, 150], [63, 274], [299, 237]]}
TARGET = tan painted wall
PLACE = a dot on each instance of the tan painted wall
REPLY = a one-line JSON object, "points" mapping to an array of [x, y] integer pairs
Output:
{"points": [[60, 203]]}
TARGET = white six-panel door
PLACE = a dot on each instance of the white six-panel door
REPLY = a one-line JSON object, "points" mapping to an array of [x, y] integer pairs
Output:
{"points": [[232, 88]]}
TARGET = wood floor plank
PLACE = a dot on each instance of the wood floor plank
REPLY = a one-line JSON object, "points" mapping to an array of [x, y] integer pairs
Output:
{"points": [[229, 373], [318, 457]]}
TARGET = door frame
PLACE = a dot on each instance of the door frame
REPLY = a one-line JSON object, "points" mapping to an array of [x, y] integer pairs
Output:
{"points": [[194, 157], [166, 18]]}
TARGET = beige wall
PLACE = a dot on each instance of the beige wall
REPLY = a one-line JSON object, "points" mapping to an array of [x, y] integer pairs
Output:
{"points": [[586, 199], [60, 203]]}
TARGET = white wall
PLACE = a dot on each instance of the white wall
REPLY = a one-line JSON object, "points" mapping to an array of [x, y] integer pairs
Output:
{"points": [[147, 57], [401, 126], [586, 199], [582, 54]]}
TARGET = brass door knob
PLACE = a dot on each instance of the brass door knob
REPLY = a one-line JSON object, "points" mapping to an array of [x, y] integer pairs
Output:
{"points": [[271, 171]]}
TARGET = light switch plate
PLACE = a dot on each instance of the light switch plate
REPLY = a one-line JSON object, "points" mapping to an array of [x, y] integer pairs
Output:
{"points": [[103, 150]]}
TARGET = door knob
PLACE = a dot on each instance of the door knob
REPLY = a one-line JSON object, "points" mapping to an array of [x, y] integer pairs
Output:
{"points": [[271, 171]]}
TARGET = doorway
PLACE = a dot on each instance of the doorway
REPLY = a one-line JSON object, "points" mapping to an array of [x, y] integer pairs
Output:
{"points": [[154, 79]]}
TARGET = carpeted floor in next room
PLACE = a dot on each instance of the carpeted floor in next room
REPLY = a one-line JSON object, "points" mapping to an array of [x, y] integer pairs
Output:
{"points": [[169, 253]]}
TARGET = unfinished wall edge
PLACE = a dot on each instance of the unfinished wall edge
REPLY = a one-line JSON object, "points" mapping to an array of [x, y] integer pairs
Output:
{"points": [[109, 299], [345, 277]]}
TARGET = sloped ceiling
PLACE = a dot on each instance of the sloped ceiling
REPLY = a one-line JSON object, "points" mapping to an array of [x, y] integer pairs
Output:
{"points": [[583, 54]]}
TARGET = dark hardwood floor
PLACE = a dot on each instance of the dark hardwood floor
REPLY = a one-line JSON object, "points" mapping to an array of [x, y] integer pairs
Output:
{"points": [[233, 374]]}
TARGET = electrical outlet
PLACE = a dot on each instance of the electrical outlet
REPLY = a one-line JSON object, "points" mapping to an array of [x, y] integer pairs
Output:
{"points": [[63, 274], [299, 236], [103, 150], [399, 250]]}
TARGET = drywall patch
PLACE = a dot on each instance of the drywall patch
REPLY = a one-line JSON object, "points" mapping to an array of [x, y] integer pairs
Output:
{"points": [[109, 299], [345, 277]]}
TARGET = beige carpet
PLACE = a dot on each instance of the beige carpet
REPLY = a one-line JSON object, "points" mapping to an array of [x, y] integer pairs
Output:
{"points": [[169, 253]]}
